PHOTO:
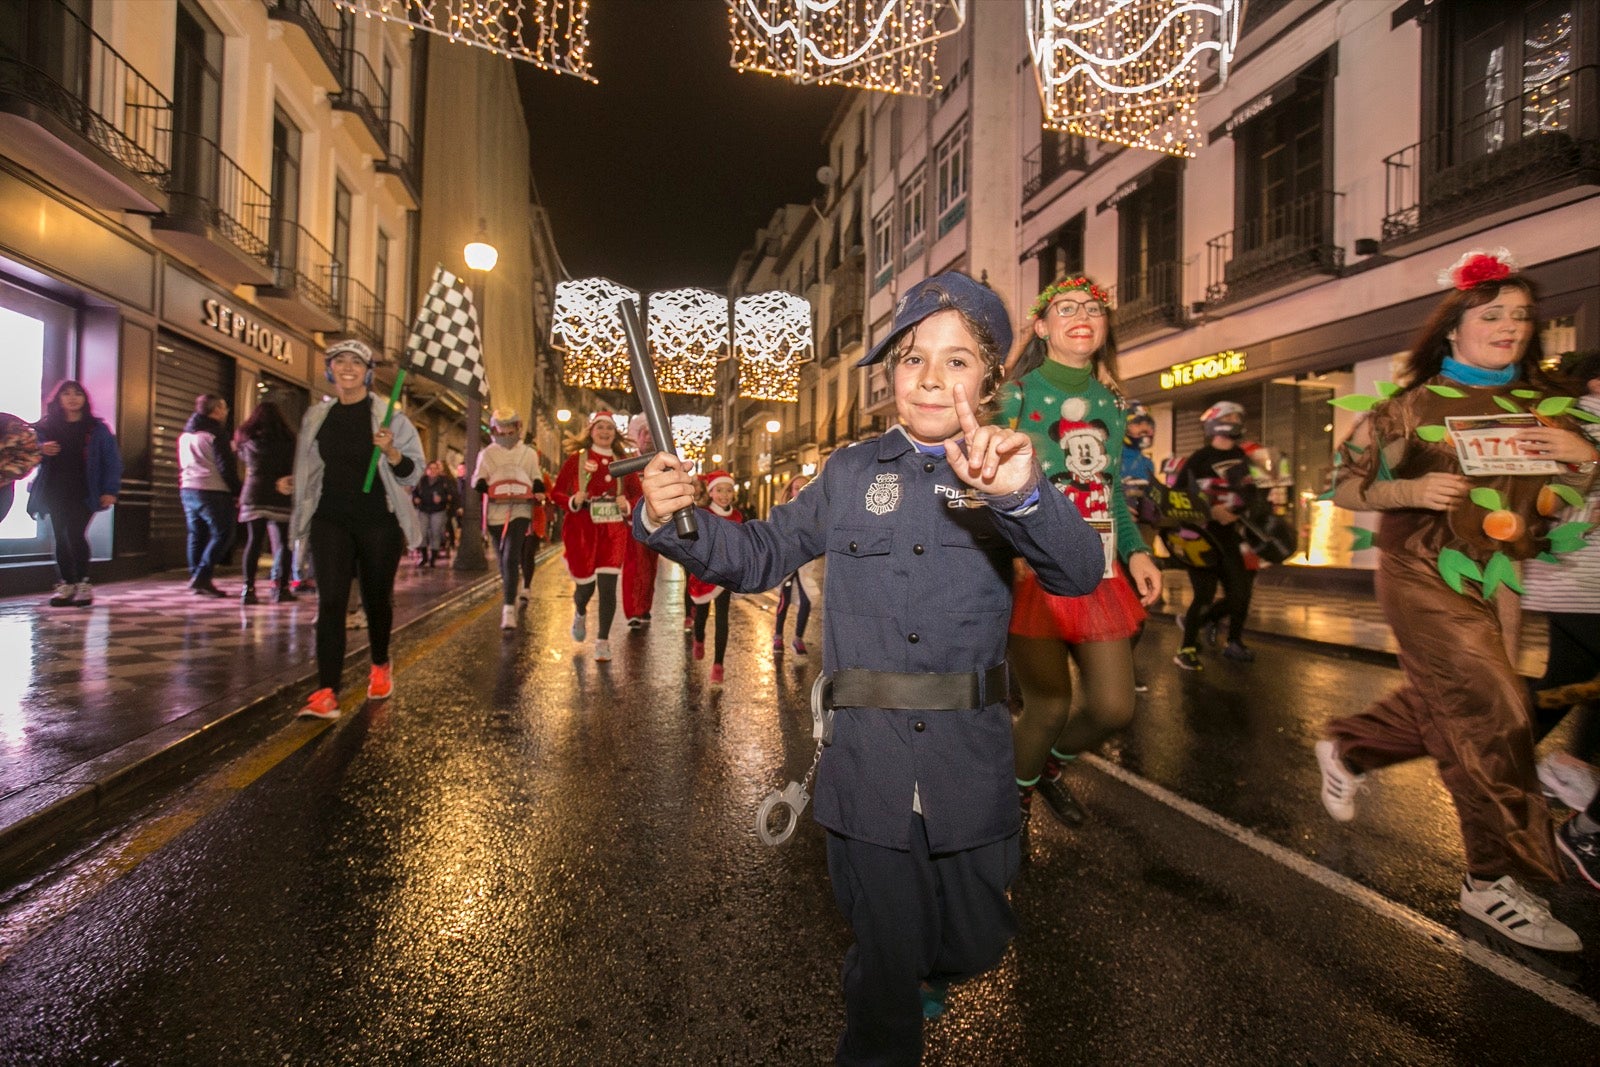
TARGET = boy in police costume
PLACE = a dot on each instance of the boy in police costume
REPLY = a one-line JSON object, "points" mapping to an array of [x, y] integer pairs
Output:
{"points": [[919, 528]]}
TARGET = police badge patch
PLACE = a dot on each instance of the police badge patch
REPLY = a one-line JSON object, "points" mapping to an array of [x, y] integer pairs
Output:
{"points": [[883, 495]]}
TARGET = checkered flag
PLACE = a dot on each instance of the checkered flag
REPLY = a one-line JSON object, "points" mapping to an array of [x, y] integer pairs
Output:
{"points": [[445, 343]]}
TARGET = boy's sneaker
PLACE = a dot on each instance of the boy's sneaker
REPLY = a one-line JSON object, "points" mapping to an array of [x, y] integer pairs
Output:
{"points": [[508, 616], [380, 682], [1569, 780], [1188, 658], [580, 627], [1582, 849], [1236, 651], [1518, 914], [63, 594], [1059, 799], [83, 595], [602, 651], [716, 674], [1339, 785], [699, 650], [323, 704], [799, 647], [635, 623]]}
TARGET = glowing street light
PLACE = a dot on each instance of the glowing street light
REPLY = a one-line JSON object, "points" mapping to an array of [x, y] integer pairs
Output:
{"points": [[480, 254], [773, 425], [563, 415]]}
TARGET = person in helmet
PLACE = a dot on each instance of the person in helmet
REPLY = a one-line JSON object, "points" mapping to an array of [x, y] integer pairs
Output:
{"points": [[508, 477], [1220, 471]]}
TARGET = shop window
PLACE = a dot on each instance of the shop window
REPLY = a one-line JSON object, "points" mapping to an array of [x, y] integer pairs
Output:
{"points": [[35, 353], [913, 221]]}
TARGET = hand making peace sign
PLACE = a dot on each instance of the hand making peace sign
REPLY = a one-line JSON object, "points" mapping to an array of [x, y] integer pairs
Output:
{"points": [[995, 460]]}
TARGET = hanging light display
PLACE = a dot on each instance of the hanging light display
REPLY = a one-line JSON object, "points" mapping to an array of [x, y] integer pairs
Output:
{"points": [[887, 45], [692, 435], [771, 338], [588, 328], [551, 34], [1129, 71], [687, 334]]}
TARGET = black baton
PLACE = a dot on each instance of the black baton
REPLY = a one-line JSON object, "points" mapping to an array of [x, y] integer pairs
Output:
{"points": [[655, 411]]}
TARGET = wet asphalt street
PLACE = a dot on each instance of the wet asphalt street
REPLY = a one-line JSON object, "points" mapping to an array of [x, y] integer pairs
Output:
{"points": [[526, 857]]}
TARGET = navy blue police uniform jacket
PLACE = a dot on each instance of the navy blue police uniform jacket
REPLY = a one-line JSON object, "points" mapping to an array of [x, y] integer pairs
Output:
{"points": [[918, 581]]}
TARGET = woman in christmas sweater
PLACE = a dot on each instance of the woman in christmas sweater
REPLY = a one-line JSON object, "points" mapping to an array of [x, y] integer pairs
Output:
{"points": [[702, 594], [1058, 398], [594, 536], [1460, 502]]}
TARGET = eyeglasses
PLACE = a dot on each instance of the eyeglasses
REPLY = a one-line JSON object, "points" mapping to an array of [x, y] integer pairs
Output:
{"points": [[1067, 309]]}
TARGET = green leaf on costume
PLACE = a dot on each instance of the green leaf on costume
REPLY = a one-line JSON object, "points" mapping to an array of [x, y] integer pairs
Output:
{"points": [[1547, 557], [1326, 496], [1432, 433], [1498, 572], [1449, 392], [1486, 498], [1583, 416], [1386, 389], [1360, 538], [1507, 405], [1355, 402], [1526, 394], [1454, 565], [1569, 496], [1554, 405], [1569, 536]]}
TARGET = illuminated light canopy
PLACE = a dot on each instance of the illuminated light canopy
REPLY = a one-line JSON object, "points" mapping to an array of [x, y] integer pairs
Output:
{"points": [[553, 36], [588, 328], [692, 436], [771, 338], [1129, 71], [887, 45], [687, 335]]}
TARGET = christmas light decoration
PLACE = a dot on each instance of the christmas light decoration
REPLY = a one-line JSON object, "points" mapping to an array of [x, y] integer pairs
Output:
{"points": [[771, 338], [554, 37], [692, 435], [588, 328], [887, 45], [1129, 71], [687, 334]]}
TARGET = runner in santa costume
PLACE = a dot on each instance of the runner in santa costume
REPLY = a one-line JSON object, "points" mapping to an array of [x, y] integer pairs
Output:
{"points": [[639, 562], [594, 537], [719, 485]]}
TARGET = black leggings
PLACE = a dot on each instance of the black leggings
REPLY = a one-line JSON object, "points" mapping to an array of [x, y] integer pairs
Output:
{"points": [[792, 584], [1237, 582], [369, 555], [69, 522], [257, 532], [608, 600], [508, 542], [530, 555], [723, 601]]}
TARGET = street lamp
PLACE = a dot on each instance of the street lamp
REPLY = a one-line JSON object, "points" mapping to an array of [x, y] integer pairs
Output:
{"points": [[481, 256], [563, 415], [773, 425]]}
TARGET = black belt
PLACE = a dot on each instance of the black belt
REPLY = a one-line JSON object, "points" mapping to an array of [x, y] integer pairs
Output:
{"points": [[919, 692]]}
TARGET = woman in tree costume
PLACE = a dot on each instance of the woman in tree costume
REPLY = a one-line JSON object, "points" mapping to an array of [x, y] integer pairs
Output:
{"points": [[1464, 461], [1076, 422]]}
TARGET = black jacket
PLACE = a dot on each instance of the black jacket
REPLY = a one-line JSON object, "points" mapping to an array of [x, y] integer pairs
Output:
{"points": [[266, 459]]}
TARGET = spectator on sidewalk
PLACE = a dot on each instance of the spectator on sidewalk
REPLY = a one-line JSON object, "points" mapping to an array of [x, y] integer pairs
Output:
{"points": [[80, 474], [1462, 704], [265, 444], [435, 501], [208, 482], [509, 479], [19, 455], [356, 533]]}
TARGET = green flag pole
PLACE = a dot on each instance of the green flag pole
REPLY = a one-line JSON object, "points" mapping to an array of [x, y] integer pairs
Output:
{"points": [[388, 416]]}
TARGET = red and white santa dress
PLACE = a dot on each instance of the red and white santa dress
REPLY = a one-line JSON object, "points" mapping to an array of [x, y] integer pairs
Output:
{"points": [[594, 537], [701, 591]]}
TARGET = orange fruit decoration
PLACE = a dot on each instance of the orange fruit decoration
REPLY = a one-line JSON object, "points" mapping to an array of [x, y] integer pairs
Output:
{"points": [[1548, 503], [1503, 525]]}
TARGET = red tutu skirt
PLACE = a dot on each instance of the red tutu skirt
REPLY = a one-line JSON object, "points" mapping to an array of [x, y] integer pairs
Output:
{"points": [[1111, 613]]}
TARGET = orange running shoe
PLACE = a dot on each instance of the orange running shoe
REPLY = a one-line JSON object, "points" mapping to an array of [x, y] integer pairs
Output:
{"points": [[380, 683], [323, 704]]}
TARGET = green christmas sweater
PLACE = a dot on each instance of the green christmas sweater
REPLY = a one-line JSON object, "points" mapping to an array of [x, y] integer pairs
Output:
{"points": [[1076, 425]]}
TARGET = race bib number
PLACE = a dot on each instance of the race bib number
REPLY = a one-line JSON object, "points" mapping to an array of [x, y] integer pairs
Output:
{"points": [[605, 511], [1487, 444], [1108, 542]]}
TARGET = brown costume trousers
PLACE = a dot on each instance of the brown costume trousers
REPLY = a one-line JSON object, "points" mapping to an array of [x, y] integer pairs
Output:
{"points": [[1464, 705]]}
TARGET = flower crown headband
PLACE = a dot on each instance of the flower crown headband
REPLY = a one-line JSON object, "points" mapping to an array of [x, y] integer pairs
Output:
{"points": [[1477, 267], [1076, 284]]}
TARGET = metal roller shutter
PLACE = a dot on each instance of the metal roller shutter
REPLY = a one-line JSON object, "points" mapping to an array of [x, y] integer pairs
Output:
{"points": [[183, 372]]}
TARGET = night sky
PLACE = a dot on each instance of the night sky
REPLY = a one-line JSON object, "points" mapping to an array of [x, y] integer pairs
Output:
{"points": [[659, 176]]}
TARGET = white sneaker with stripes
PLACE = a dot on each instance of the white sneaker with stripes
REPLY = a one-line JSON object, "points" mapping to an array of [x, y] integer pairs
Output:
{"points": [[1518, 914]]}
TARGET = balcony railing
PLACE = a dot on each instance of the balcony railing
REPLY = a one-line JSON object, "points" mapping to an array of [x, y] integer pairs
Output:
{"points": [[1518, 151], [55, 61], [1151, 300], [207, 186], [401, 159], [1054, 157], [362, 308], [396, 332], [846, 330], [1271, 250], [304, 267], [319, 20], [364, 96]]}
